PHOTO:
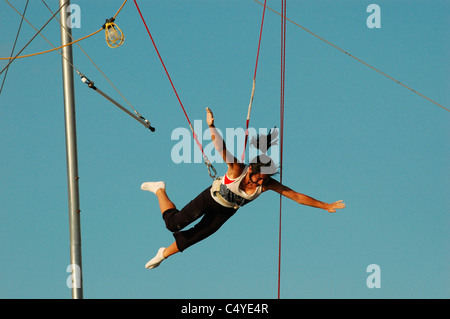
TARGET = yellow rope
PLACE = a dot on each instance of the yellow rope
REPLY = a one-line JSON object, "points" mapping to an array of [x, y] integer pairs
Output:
{"points": [[359, 60], [54, 49], [120, 9]]}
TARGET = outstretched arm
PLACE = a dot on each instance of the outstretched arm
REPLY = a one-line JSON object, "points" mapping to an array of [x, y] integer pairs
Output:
{"points": [[220, 146], [302, 198]]}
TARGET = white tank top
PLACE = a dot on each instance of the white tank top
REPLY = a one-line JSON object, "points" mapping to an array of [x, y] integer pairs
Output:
{"points": [[230, 195]]}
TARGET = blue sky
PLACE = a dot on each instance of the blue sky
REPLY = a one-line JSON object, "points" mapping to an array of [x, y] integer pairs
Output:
{"points": [[350, 134]]}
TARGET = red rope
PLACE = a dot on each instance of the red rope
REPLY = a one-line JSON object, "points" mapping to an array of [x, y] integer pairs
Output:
{"points": [[282, 80], [254, 77], [260, 36], [171, 83]]}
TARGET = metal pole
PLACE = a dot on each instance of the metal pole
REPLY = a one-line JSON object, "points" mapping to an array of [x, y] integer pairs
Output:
{"points": [[71, 155]]}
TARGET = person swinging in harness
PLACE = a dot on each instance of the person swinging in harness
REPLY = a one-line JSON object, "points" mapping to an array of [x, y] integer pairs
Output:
{"points": [[240, 185]]}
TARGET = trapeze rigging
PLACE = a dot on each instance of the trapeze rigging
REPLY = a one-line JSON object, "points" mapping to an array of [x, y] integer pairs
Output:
{"points": [[242, 183]]}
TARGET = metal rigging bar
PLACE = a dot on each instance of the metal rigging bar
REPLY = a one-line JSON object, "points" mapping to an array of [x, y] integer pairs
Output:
{"points": [[138, 117]]}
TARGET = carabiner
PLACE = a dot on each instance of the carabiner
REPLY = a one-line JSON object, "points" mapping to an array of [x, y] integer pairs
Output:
{"points": [[211, 167]]}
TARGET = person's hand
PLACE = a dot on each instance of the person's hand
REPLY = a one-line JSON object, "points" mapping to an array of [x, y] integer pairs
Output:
{"points": [[209, 117], [336, 205]]}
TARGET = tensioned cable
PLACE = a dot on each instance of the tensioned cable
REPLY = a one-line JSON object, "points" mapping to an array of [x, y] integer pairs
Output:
{"points": [[90, 59], [357, 59], [138, 116], [282, 81], [207, 162], [62, 46], [38, 32], [15, 42], [254, 84]]}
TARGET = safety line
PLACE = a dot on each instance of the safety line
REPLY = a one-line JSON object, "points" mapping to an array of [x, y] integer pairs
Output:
{"points": [[357, 59], [282, 86], [260, 36], [162, 62], [254, 84], [15, 42], [207, 162]]}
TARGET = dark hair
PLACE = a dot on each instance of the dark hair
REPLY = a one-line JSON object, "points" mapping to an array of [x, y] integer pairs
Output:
{"points": [[263, 163]]}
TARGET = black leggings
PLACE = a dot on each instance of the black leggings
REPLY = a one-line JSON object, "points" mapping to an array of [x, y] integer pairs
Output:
{"points": [[214, 216]]}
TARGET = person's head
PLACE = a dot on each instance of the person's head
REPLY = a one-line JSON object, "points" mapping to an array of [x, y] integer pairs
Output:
{"points": [[262, 167]]}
